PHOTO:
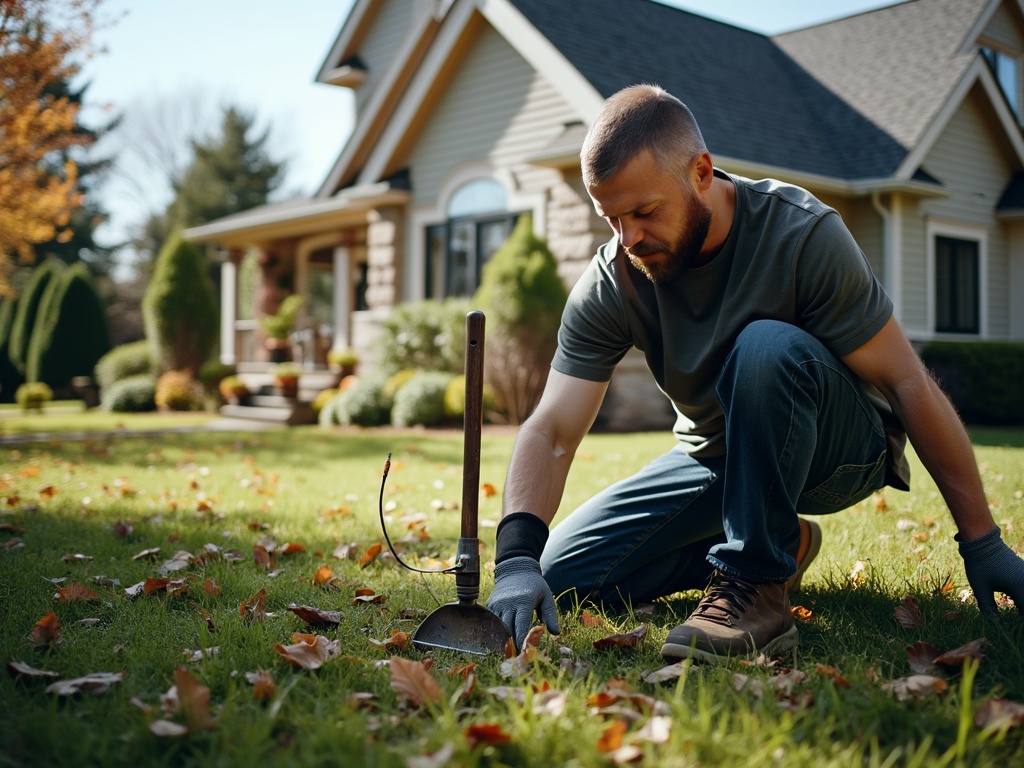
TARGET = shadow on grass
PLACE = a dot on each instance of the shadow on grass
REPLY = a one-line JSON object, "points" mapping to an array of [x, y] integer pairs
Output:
{"points": [[997, 437]]}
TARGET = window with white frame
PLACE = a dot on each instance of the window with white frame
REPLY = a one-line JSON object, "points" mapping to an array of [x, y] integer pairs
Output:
{"points": [[476, 226], [957, 285]]}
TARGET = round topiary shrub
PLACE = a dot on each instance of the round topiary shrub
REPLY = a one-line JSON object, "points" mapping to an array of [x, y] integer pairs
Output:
{"points": [[179, 391], [398, 380], [131, 395], [132, 359], [421, 400], [329, 415], [455, 399], [33, 395], [364, 403]]}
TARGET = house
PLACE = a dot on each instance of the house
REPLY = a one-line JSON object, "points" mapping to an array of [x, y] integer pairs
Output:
{"points": [[906, 119]]}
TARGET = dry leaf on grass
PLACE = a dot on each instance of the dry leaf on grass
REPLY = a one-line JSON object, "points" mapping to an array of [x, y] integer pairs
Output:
{"points": [[489, 734], [626, 640], [261, 557], [202, 653], [46, 631], [95, 683], [309, 651], [20, 669], [74, 592], [398, 641], [916, 687], [211, 588], [413, 681], [151, 552], [370, 554], [671, 672], [908, 613], [366, 596], [801, 614], [316, 617], [920, 656], [255, 608], [76, 558], [999, 714], [611, 736], [953, 661], [190, 698], [263, 685]]}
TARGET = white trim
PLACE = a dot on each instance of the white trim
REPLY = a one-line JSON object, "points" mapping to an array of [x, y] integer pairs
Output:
{"points": [[413, 288], [978, 72], [342, 298], [345, 37], [544, 57], [370, 111], [892, 250], [943, 228], [228, 310], [970, 41]]}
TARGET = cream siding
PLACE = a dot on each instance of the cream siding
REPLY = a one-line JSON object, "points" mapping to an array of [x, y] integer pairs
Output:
{"points": [[971, 160], [1003, 30], [913, 245], [495, 110], [383, 40]]}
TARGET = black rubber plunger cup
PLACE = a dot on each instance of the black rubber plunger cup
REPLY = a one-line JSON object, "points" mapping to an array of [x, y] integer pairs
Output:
{"points": [[464, 625]]}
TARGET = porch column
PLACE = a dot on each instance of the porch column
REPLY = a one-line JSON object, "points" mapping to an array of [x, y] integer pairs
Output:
{"points": [[342, 297], [228, 308]]}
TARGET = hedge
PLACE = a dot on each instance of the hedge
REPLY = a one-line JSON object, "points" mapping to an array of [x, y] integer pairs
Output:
{"points": [[983, 379]]}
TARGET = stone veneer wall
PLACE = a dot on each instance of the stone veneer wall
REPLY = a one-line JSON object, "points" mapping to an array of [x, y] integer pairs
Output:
{"points": [[384, 236]]}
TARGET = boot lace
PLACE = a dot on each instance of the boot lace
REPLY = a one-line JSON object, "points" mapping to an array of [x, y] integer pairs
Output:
{"points": [[726, 599]]}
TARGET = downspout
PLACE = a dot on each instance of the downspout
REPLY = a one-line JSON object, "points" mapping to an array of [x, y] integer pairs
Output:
{"points": [[890, 269]]}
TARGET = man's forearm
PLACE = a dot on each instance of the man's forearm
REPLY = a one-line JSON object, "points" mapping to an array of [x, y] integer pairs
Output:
{"points": [[945, 450], [536, 474]]}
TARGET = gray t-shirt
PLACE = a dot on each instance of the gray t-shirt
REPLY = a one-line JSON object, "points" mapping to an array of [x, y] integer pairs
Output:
{"points": [[787, 257]]}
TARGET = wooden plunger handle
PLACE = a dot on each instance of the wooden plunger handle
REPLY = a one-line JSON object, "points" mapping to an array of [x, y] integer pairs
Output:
{"points": [[474, 418]]}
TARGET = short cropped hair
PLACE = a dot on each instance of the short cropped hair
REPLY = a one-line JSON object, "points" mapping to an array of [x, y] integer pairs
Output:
{"points": [[634, 119]]}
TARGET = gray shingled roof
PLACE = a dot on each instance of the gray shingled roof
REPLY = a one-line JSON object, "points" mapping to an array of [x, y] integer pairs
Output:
{"points": [[845, 100]]}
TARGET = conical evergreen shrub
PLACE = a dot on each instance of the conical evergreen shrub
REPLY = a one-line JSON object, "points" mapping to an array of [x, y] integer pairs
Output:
{"points": [[28, 309], [10, 378], [72, 332], [179, 312]]}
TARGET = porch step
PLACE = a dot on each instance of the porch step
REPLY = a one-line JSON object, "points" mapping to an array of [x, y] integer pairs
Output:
{"points": [[271, 409]]}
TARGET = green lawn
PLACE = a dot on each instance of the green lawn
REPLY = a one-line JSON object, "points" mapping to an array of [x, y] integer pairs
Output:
{"points": [[68, 416], [217, 495]]}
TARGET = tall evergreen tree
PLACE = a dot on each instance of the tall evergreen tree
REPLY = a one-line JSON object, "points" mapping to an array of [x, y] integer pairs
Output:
{"points": [[230, 172], [10, 378], [71, 331]]}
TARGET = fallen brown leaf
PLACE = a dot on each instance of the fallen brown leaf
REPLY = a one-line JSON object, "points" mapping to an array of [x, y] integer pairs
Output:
{"points": [[309, 651], [370, 554], [611, 736], [592, 620], [194, 700], [122, 529], [413, 681], [921, 656], [671, 672], [74, 592], [255, 608], [371, 598], [147, 553], [314, 616], [489, 734], [291, 548], [488, 489], [999, 714], [953, 661], [399, 640], [263, 685], [916, 687], [626, 640], [801, 614], [908, 613], [46, 631], [95, 683], [261, 557], [19, 669], [323, 575], [211, 588]]}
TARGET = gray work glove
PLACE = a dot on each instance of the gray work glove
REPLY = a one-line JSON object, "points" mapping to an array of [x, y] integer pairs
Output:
{"points": [[519, 591], [992, 567]]}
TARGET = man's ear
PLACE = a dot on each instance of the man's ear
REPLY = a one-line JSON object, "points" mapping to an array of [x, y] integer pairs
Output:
{"points": [[702, 172]]}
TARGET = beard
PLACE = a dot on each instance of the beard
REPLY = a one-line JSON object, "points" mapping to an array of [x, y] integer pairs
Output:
{"points": [[669, 259]]}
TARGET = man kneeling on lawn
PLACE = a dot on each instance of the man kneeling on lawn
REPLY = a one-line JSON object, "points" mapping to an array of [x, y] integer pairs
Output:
{"points": [[793, 384]]}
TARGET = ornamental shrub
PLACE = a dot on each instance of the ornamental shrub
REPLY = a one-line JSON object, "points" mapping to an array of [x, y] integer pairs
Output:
{"points": [[522, 296], [426, 336], [421, 400], [364, 403], [983, 379], [179, 391], [33, 395], [398, 380], [71, 333], [10, 378], [455, 399], [178, 310], [28, 308], [130, 359], [131, 395]]}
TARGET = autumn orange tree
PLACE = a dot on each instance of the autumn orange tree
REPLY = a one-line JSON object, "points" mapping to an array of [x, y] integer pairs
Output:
{"points": [[39, 45]]}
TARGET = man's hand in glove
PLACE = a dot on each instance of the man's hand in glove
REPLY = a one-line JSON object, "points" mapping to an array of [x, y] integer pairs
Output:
{"points": [[520, 591], [992, 567]]}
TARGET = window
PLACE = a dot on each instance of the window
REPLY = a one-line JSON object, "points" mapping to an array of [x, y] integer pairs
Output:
{"points": [[457, 250], [1007, 71], [956, 286]]}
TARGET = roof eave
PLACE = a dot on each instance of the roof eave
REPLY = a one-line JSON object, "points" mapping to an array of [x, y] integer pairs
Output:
{"points": [[345, 209], [844, 187]]}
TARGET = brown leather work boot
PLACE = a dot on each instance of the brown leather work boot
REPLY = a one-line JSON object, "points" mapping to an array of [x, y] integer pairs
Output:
{"points": [[735, 619], [807, 549]]}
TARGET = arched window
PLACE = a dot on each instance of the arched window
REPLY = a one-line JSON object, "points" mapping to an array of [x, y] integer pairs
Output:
{"points": [[477, 224]]}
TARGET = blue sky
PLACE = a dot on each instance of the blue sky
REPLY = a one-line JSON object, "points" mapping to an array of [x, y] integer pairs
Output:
{"points": [[263, 55]]}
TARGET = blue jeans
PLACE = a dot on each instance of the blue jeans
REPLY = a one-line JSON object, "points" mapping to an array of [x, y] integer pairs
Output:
{"points": [[801, 437]]}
